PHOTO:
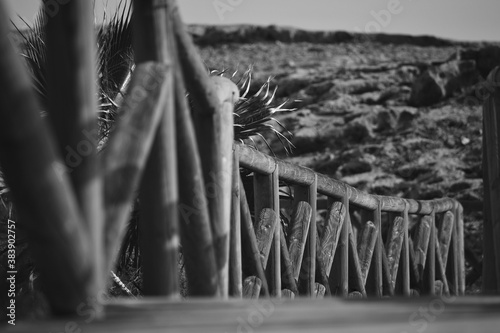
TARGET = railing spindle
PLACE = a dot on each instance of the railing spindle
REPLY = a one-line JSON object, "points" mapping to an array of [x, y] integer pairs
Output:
{"points": [[309, 195], [406, 253], [235, 266], [431, 257], [266, 195]]}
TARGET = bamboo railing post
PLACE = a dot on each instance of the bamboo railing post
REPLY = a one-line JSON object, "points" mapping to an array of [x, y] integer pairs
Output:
{"points": [[287, 265], [355, 271], [421, 246], [491, 167], [235, 270], [453, 264], [29, 158], [406, 253], [297, 237], [194, 217], [213, 119], [375, 278], [431, 257], [445, 234], [72, 95], [394, 246], [461, 254], [159, 235], [266, 195], [249, 240], [366, 248], [309, 195], [331, 234], [128, 146], [194, 220], [344, 246]]}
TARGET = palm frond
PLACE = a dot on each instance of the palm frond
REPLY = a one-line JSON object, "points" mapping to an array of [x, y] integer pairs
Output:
{"points": [[114, 60]]}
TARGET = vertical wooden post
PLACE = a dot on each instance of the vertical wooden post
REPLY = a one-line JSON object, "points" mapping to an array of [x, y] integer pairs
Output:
{"points": [[249, 240], [29, 158], [406, 253], [159, 236], [194, 220], [266, 195], [128, 147], [377, 255], [375, 283], [344, 246], [71, 51], [491, 180], [461, 252], [309, 194], [213, 119], [235, 272], [431, 257], [452, 268], [394, 246], [196, 231]]}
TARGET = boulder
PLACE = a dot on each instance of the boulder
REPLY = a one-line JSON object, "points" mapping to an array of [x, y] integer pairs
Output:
{"points": [[443, 81], [486, 58]]}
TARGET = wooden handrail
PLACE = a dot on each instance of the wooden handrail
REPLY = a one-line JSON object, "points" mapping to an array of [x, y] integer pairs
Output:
{"points": [[258, 162]]}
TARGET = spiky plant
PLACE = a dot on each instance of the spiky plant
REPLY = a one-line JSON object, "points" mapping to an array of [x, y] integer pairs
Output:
{"points": [[253, 113]]}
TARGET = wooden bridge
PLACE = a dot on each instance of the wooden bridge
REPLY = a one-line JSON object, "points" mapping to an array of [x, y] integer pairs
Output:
{"points": [[244, 235]]}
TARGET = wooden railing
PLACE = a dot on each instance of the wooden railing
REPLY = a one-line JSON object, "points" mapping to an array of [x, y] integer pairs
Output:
{"points": [[395, 246], [182, 158]]}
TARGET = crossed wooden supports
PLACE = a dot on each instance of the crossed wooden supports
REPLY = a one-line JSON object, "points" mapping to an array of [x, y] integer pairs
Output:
{"points": [[387, 249], [75, 207]]}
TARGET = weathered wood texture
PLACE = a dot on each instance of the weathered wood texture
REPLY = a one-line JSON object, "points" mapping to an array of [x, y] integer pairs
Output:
{"points": [[331, 234], [235, 266], [124, 159], [288, 278], [251, 287], [249, 247], [309, 194], [72, 103], [393, 247], [194, 219], [267, 222], [32, 165], [266, 196], [444, 235], [299, 227], [213, 119], [421, 244], [262, 163], [355, 274], [366, 246], [159, 194]]}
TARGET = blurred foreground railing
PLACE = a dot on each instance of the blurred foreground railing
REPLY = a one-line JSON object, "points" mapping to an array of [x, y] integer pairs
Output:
{"points": [[182, 158]]}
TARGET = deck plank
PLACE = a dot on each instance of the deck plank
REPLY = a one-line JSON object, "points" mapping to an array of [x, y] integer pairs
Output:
{"points": [[467, 314]]}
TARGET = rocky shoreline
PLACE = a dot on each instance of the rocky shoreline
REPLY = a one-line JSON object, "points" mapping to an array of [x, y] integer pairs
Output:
{"points": [[390, 115]]}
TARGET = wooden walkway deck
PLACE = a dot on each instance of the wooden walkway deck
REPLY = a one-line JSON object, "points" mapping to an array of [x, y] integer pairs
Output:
{"points": [[464, 314]]}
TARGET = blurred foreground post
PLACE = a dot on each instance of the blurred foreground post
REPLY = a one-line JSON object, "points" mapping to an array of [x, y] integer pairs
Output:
{"points": [[491, 180]]}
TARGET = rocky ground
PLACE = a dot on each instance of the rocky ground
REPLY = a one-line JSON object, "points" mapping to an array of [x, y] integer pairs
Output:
{"points": [[391, 118]]}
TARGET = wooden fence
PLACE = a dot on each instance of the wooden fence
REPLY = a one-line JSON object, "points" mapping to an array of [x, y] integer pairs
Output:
{"points": [[364, 245], [182, 158]]}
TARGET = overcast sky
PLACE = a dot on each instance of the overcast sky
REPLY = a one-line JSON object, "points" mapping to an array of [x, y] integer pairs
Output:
{"points": [[456, 19]]}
